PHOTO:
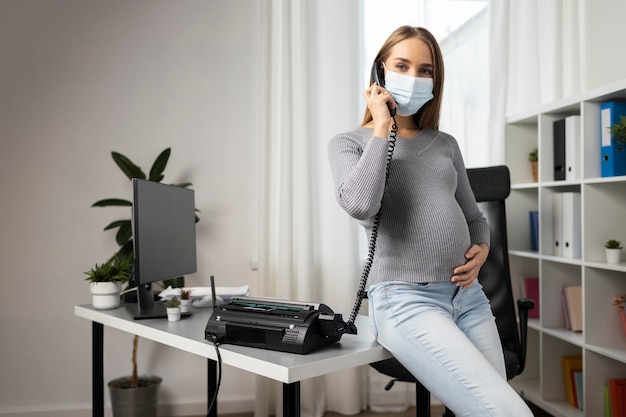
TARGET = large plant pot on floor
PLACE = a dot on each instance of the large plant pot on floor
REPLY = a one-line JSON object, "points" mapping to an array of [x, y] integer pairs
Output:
{"points": [[134, 402]]}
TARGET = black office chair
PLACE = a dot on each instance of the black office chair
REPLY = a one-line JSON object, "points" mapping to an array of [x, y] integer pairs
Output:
{"points": [[491, 187]]}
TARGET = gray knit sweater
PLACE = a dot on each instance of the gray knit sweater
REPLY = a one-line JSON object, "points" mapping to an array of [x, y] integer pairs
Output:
{"points": [[429, 216]]}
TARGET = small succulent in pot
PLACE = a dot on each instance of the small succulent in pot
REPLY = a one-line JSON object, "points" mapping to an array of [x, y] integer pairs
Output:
{"points": [[173, 302], [613, 244]]}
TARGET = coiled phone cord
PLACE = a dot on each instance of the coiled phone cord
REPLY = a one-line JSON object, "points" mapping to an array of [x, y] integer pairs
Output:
{"points": [[350, 326]]}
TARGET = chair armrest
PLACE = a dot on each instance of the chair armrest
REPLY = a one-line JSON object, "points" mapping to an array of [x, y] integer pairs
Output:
{"points": [[523, 306]]}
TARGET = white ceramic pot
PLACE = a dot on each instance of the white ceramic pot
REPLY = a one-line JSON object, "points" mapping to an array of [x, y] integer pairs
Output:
{"points": [[185, 306], [173, 313], [613, 256], [105, 295]]}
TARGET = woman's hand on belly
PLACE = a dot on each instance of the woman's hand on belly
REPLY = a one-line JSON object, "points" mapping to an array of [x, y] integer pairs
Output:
{"points": [[466, 274]]}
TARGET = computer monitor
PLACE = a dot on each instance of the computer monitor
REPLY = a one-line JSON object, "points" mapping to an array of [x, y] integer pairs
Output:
{"points": [[164, 240]]}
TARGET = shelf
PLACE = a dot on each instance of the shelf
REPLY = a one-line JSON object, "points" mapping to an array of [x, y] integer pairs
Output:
{"points": [[524, 254], [602, 344], [574, 338], [525, 186], [620, 267], [529, 388], [562, 260], [616, 351]]}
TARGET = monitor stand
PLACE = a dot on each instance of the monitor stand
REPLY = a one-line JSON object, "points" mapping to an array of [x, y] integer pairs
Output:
{"points": [[146, 307]]}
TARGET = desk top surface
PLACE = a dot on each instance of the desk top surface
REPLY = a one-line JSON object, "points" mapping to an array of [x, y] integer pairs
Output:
{"points": [[188, 335]]}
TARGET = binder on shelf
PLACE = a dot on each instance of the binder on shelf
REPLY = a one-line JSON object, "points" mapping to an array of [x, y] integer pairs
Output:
{"points": [[573, 297], [570, 220], [559, 149], [534, 230], [557, 224], [572, 147], [530, 289], [613, 155]]}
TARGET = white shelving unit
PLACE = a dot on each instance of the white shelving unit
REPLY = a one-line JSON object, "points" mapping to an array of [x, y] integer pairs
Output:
{"points": [[602, 343]]}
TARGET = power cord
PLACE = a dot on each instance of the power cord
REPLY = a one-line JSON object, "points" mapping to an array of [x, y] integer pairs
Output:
{"points": [[350, 326], [219, 377]]}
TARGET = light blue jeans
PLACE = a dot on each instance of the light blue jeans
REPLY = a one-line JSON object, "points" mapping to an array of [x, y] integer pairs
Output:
{"points": [[447, 338]]}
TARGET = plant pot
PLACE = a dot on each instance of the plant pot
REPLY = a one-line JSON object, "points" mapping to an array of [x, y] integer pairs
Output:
{"points": [[622, 315], [134, 402], [185, 306], [534, 166], [613, 256], [173, 313], [105, 295]]}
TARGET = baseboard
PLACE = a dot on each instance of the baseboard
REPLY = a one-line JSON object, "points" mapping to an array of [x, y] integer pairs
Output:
{"points": [[177, 409]]}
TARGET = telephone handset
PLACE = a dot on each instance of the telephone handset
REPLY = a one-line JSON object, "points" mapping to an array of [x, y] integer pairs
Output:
{"points": [[378, 77]]}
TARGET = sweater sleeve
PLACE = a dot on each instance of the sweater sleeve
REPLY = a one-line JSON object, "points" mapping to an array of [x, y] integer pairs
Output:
{"points": [[358, 167]]}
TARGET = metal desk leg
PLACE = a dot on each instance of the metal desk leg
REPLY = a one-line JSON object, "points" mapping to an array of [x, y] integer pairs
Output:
{"points": [[97, 369], [291, 399], [211, 387]]}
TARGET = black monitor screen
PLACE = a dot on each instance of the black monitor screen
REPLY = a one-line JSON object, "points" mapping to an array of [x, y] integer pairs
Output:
{"points": [[164, 239]]}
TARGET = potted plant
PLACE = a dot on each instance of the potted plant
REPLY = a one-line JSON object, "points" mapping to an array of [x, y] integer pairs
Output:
{"points": [[134, 395], [185, 300], [613, 249], [106, 281], [620, 303], [533, 158], [173, 309], [123, 235]]}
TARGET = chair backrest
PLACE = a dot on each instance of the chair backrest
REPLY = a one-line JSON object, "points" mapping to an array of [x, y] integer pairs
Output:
{"points": [[491, 186]]}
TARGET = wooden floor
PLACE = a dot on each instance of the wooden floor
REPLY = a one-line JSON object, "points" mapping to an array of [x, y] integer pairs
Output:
{"points": [[436, 411]]}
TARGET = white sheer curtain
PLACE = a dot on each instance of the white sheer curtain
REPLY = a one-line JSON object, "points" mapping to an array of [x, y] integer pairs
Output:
{"points": [[543, 63], [308, 247]]}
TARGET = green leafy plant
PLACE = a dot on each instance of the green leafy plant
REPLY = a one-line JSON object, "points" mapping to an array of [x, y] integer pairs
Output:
{"points": [[124, 235], [173, 302], [117, 269], [618, 130], [613, 244], [533, 156]]}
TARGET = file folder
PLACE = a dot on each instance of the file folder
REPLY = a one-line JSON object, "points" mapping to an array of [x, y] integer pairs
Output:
{"points": [[557, 224], [613, 156], [559, 149], [570, 226], [572, 148]]}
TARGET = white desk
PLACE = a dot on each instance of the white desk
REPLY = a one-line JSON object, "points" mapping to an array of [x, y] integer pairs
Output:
{"points": [[188, 335]]}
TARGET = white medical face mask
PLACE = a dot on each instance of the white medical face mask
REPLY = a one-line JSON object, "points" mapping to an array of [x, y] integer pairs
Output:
{"points": [[409, 93]]}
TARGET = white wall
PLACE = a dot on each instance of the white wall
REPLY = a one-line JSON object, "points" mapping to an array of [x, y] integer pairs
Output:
{"points": [[79, 79]]}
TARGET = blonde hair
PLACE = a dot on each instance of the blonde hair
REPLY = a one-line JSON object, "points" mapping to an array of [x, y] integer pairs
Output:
{"points": [[428, 115]]}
